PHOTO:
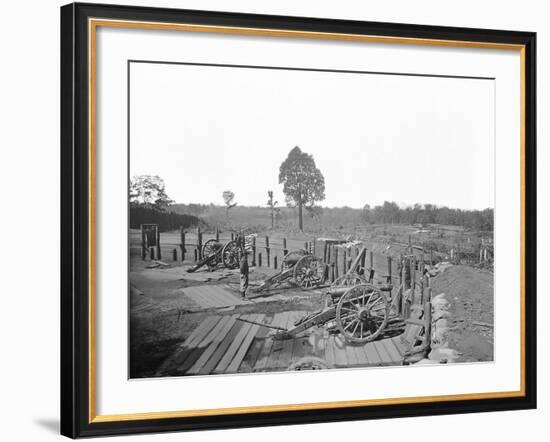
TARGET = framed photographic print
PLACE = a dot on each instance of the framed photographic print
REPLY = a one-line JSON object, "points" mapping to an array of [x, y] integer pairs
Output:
{"points": [[275, 220]]}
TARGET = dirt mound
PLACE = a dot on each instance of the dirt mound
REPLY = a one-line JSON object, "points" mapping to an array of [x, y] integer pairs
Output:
{"points": [[471, 296]]}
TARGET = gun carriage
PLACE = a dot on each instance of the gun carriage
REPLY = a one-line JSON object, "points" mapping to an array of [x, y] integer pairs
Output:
{"points": [[299, 268], [357, 308], [216, 253]]}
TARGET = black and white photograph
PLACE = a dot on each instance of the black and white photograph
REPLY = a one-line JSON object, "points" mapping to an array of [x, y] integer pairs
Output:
{"points": [[291, 219]]}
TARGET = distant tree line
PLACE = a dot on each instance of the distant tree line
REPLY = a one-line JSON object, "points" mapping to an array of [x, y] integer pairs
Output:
{"points": [[149, 204], [166, 220], [391, 213]]}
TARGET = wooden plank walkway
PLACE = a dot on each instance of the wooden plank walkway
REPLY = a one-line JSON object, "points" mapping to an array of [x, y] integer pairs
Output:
{"points": [[225, 344]]}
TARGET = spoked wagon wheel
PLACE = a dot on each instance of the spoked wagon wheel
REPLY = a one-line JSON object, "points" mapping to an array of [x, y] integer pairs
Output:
{"points": [[211, 247], [309, 272], [349, 280], [290, 259], [362, 313], [231, 254]]}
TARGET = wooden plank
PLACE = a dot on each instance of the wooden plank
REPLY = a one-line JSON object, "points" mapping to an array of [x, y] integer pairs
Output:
{"points": [[288, 345], [329, 351], [400, 345], [210, 323], [300, 345], [200, 299], [278, 344], [372, 354], [234, 346], [340, 357], [392, 350], [261, 364], [249, 361], [351, 355], [187, 347], [203, 328], [183, 349], [222, 348], [209, 295], [383, 353], [266, 350], [216, 297], [202, 344], [223, 298], [212, 346], [236, 362], [200, 295], [361, 356]]}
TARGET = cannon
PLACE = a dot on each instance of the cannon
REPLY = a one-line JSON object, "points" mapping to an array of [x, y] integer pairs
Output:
{"points": [[353, 305], [360, 314], [299, 268], [215, 253]]}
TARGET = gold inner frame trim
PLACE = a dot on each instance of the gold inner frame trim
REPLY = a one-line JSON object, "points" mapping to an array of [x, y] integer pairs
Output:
{"points": [[92, 28]]}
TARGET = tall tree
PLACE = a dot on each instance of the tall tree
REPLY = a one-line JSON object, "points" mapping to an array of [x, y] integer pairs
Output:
{"points": [[303, 183], [228, 198], [149, 191]]}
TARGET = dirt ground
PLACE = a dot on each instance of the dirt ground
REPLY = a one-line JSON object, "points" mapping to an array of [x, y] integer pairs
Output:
{"points": [[160, 318], [471, 296]]}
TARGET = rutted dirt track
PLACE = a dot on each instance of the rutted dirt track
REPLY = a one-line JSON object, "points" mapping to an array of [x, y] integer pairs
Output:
{"points": [[470, 294]]}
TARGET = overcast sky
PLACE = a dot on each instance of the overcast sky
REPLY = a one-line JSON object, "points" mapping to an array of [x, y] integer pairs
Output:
{"points": [[374, 137]]}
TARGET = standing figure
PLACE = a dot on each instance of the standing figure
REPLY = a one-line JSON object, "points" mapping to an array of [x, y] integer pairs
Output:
{"points": [[243, 267]]}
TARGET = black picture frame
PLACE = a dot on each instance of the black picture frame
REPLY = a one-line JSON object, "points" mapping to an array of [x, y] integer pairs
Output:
{"points": [[75, 220]]}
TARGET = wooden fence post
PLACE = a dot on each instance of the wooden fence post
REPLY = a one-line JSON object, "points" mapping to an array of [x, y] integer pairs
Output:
{"points": [[344, 262], [275, 262], [267, 251], [389, 269], [313, 246], [253, 251], [174, 254], [285, 250], [196, 255], [413, 279], [371, 259], [199, 243], [143, 246], [325, 253], [428, 322], [232, 236], [217, 234], [336, 269], [259, 259], [182, 244], [159, 253], [404, 285], [362, 263]]}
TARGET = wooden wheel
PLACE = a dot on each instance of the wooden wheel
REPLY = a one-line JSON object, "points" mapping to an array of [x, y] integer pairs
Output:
{"points": [[231, 253], [349, 280], [212, 247], [309, 272], [362, 313]]}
